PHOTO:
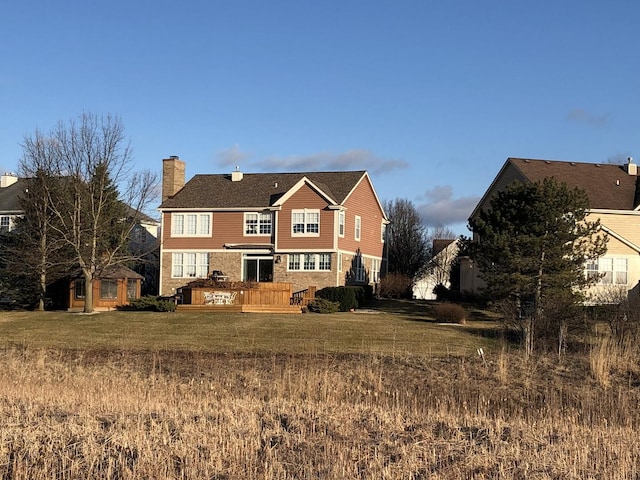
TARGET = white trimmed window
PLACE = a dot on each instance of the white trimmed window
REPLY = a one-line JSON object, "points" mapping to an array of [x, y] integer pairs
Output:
{"points": [[608, 270], [375, 270], [341, 224], [305, 222], [257, 223], [190, 224], [358, 269], [190, 265], [5, 223], [340, 261], [310, 262], [358, 229], [324, 261], [383, 233]]}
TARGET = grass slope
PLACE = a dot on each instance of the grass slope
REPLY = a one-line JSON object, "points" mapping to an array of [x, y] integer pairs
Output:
{"points": [[387, 331]]}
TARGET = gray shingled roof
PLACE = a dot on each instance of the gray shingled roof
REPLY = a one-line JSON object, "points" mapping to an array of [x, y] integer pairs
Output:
{"points": [[256, 190], [10, 200], [9, 196], [607, 186]]}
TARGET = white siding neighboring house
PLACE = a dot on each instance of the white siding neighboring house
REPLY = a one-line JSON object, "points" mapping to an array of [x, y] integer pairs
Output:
{"points": [[445, 252], [614, 199], [9, 207]]}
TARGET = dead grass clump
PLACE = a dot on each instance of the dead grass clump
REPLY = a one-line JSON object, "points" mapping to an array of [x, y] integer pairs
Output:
{"points": [[129, 415], [609, 358]]}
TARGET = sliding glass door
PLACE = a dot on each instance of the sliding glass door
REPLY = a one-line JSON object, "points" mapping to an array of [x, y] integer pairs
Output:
{"points": [[257, 269]]}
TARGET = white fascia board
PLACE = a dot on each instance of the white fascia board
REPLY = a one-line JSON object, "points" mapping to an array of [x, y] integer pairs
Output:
{"points": [[189, 250], [233, 209], [297, 186], [614, 212], [375, 194], [305, 250]]}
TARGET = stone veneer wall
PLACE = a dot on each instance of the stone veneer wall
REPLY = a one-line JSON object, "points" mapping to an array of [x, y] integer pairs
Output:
{"points": [[347, 259], [229, 263], [302, 280]]}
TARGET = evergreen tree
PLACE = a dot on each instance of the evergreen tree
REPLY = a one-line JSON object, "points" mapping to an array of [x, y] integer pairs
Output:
{"points": [[533, 242]]}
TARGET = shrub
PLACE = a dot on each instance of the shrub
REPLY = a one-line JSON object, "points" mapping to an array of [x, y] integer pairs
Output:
{"points": [[449, 313], [346, 297], [441, 292], [396, 285], [322, 305], [150, 303]]}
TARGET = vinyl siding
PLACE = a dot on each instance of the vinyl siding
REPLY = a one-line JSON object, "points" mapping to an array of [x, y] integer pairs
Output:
{"points": [[227, 227], [626, 226], [307, 198], [363, 203]]}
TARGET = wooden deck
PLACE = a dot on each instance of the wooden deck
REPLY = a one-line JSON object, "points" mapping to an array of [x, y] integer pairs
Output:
{"points": [[240, 308], [267, 297]]}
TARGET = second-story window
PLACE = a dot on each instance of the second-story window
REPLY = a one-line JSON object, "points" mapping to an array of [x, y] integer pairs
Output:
{"points": [[257, 223], [190, 224], [305, 222], [341, 224], [358, 229]]}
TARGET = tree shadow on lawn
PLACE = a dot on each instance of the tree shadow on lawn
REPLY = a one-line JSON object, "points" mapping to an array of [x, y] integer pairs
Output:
{"points": [[410, 309], [480, 322], [423, 309]]}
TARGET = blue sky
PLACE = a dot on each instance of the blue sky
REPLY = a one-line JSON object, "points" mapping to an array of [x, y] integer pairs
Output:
{"points": [[431, 97]]}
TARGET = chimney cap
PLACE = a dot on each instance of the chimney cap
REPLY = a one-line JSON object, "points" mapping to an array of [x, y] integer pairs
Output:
{"points": [[174, 157]]}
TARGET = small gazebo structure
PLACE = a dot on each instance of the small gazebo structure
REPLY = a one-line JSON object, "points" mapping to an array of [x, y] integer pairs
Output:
{"points": [[113, 286]]}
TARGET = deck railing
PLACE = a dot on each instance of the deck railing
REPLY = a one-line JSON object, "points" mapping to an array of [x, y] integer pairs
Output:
{"points": [[303, 297]]}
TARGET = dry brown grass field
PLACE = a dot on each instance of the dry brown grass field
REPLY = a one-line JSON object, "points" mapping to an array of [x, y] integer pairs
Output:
{"points": [[342, 396]]}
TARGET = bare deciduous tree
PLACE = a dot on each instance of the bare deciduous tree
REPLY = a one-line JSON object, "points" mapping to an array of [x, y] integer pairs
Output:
{"points": [[93, 196], [407, 246]]}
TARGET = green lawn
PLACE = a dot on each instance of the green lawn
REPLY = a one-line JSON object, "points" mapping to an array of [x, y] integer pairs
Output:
{"points": [[390, 329]]}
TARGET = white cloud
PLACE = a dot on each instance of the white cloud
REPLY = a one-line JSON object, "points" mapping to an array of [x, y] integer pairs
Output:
{"points": [[358, 159], [232, 156], [438, 207]]}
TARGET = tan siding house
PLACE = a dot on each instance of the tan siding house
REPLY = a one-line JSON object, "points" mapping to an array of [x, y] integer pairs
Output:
{"points": [[614, 199], [270, 227]]}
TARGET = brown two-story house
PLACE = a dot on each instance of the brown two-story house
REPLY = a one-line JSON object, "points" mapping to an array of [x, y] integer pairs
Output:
{"points": [[309, 229]]}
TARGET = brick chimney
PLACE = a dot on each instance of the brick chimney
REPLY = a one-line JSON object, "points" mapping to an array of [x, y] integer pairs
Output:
{"points": [[173, 170], [632, 168]]}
